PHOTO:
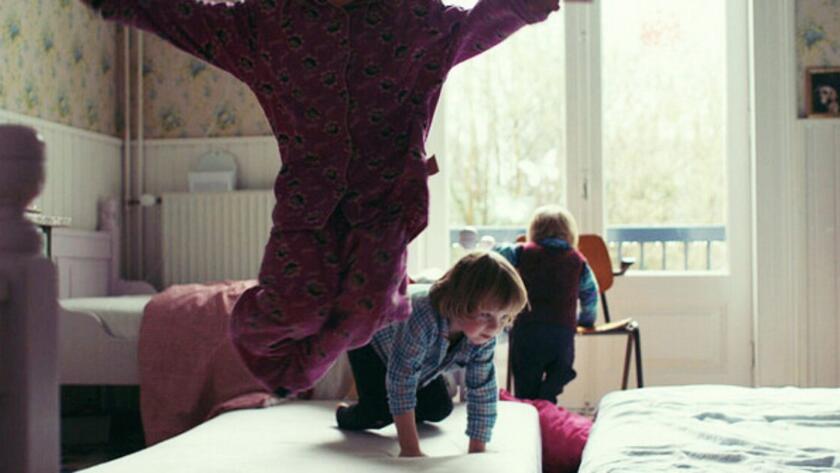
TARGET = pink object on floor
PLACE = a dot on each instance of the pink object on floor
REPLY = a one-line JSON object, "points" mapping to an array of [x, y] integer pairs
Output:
{"points": [[564, 434], [189, 370]]}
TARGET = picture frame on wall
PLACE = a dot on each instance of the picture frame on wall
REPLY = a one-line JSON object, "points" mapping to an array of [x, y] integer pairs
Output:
{"points": [[822, 92]]}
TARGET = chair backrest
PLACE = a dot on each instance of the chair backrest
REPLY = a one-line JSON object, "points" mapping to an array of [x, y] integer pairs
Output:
{"points": [[595, 250]]}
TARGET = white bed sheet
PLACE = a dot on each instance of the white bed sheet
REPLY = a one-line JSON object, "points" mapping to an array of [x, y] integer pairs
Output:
{"points": [[301, 437], [120, 316], [716, 429], [98, 339]]}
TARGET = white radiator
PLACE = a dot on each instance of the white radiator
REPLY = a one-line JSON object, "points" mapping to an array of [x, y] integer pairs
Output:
{"points": [[214, 236]]}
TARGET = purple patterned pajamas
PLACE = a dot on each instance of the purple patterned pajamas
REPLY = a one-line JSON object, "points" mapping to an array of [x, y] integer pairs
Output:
{"points": [[350, 93], [321, 293]]}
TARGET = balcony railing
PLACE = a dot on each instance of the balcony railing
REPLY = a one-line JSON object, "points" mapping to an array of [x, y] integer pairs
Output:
{"points": [[659, 237], [642, 238]]}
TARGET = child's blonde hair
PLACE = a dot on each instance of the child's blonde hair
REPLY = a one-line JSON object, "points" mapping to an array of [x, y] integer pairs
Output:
{"points": [[553, 221], [481, 280]]}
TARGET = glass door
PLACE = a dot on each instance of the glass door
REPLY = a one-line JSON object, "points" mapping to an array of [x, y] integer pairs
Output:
{"points": [[675, 188]]}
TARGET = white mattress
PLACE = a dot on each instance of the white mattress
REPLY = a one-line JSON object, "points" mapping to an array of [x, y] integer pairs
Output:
{"points": [[119, 316], [716, 428], [301, 436]]}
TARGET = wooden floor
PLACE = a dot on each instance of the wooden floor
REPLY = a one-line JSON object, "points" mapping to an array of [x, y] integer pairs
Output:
{"points": [[80, 458], [98, 424]]}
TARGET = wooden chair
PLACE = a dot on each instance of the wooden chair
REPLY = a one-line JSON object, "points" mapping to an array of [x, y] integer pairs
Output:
{"points": [[598, 256]]}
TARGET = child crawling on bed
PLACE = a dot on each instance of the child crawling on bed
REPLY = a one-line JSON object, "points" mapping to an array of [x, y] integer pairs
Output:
{"points": [[452, 325]]}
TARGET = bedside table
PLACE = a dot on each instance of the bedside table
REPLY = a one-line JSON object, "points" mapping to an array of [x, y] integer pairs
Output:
{"points": [[46, 223]]}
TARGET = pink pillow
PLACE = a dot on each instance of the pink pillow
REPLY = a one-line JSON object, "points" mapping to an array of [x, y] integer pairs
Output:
{"points": [[564, 434]]}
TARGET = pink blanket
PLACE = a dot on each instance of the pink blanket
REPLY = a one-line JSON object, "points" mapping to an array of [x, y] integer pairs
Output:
{"points": [[189, 369], [564, 434]]}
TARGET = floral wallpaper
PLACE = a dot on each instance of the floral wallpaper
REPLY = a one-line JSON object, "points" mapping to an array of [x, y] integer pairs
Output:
{"points": [[61, 63], [58, 62], [817, 39], [185, 97]]}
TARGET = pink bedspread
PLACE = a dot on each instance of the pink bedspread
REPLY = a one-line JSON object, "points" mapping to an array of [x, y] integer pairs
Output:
{"points": [[189, 369]]}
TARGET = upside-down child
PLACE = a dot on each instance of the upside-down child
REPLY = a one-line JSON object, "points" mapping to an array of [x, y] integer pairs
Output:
{"points": [[349, 88], [452, 325]]}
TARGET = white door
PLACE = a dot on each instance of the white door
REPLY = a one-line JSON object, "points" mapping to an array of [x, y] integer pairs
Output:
{"points": [[665, 175]]}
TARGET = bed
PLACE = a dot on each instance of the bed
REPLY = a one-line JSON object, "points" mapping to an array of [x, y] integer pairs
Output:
{"points": [[98, 339], [716, 428], [301, 436], [297, 435], [100, 313], [99, 345]]}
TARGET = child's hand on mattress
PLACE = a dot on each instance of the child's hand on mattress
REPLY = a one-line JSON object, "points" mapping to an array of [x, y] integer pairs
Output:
{"points": [[477, 446], [407, 435]]}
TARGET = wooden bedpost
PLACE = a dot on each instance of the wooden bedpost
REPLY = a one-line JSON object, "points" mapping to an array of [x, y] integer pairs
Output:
{"points": [[29, 405]]}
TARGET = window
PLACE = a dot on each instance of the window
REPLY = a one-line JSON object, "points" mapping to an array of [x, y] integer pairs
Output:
{"points": [[505, 131], [663, 122], [664, 131]]}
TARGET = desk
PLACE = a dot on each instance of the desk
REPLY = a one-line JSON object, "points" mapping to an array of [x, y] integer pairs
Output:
{"points": [[46, 223]]}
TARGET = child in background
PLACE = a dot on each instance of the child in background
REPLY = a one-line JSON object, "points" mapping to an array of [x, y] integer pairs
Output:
{"points": [[349, 88], [454, 324], [556, 276]]}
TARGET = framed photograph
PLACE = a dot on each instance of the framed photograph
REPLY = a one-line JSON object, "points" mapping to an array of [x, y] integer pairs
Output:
{"points": [[822, 92]]}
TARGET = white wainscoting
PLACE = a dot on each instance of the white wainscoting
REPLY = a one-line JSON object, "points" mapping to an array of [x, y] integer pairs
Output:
{"points": [[779, 252], [166, 165], [821, 147], [82, 168], [83, 262]]}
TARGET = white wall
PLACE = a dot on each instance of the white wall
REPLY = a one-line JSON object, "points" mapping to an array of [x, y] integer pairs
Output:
{"points": [[820, 146], [166, 165], [167, 162], [796, 216], [82, 167]]}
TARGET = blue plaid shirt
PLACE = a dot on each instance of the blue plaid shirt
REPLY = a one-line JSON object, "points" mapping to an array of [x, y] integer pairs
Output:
{"points": [[416, 351]]}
